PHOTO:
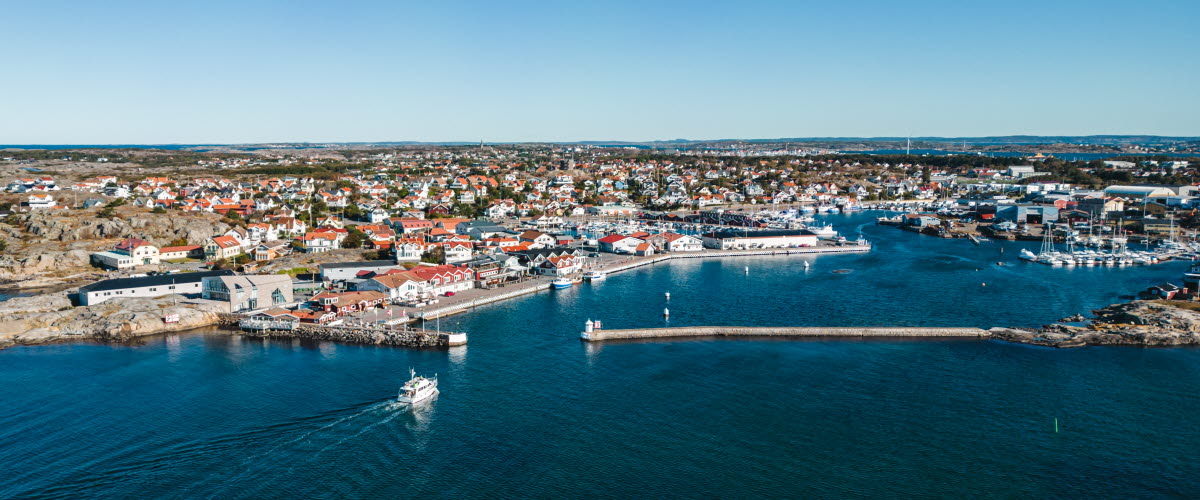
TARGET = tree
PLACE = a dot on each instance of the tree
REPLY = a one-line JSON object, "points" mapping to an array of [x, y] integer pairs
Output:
{"points": [[234, 219], [354, 239], [178, 242], [158, 210], [435, 256]]}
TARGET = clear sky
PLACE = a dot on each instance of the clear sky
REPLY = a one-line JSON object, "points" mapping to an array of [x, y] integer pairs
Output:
{"points": [[159, 71]]}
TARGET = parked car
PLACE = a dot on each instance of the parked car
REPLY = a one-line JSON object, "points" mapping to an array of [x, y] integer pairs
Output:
{"points": [[449, 294]]}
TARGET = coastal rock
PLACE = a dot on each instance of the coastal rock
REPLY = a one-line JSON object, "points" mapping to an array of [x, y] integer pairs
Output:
{"points": [[33, 304], [15, 269], [156, 230], [1137, 323], [114, 320]]}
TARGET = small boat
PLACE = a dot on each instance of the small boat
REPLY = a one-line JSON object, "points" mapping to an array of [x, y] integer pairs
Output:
{"points": [[1027, 255], [561, 283], [417, 389], [596, 275]]}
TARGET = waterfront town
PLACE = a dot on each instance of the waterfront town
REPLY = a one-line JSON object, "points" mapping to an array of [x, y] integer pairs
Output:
{"points": [[280, 238]]}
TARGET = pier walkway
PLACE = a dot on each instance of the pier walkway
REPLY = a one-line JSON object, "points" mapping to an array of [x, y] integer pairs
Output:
{"points": [[772, 331], [470, 299]]}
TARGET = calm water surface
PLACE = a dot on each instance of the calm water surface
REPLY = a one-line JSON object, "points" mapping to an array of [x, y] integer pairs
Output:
{"points": [[527, 410]]}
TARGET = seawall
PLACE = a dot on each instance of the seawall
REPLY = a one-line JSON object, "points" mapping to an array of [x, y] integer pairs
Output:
{"points": [[806, 331], [434, 313]]}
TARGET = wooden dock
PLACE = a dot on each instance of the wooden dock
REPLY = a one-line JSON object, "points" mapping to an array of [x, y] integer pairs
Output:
{"points": [[791, 331]]}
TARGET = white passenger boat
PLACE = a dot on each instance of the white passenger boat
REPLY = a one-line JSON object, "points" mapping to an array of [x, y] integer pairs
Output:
{"points": [[596, 275], [824, 232], [561, 283], [417, 389]]}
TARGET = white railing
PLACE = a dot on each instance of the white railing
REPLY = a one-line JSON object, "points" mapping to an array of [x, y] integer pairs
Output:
{"points": [[266, 324]]}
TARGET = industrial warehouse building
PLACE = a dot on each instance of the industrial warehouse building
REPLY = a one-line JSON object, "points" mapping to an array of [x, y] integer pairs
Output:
{"points": [[341, 271], [1028, 214], [1137, 192], [147, 286], [744, 240]]}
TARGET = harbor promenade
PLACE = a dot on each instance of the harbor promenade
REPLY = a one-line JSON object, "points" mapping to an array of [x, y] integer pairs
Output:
{"points": [[807, 331], [469, 299]]}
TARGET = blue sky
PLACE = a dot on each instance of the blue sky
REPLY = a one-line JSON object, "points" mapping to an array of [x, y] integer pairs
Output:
{"points": [[235, 72]]}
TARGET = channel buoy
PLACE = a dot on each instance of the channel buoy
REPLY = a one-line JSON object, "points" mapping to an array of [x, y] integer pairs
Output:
{"points": [[666, 312], [806, 264], [747, 269], [668, 295]]}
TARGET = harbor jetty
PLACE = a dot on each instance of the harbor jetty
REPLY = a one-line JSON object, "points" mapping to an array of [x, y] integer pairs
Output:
{"points": [[466, 304], [357, 334], [592, 335]]}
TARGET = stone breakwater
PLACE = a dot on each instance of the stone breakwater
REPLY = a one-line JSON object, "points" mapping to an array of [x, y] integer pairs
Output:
{"points": [[808, 331], [359, 335]]}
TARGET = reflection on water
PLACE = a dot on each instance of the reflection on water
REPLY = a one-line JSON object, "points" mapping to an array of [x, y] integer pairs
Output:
{"points": [[327, 349], [173, 347], [457, 355], [420, 421]]}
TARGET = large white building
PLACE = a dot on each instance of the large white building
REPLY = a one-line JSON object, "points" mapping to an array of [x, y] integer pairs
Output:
{"points": [[248, 292], [148, 286], [747, 240], [1137, 192]]}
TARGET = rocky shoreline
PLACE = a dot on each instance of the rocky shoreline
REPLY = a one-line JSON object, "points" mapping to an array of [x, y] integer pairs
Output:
{"points": [[49, 318], [1141, 323]]}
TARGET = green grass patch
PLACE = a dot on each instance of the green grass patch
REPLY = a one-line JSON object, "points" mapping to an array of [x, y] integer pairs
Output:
{"points": [[1181, 304]]}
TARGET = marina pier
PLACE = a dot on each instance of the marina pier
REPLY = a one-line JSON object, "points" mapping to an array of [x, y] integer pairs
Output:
{"points": [[633, 262], [782, 332]]}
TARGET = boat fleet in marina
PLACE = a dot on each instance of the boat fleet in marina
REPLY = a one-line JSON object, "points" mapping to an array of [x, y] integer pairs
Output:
{"points": [[1093, 251], [792, 218]]}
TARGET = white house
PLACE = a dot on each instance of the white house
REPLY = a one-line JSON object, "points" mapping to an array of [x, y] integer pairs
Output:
{"points": [[618, 243], [40, 201], [673, 242]]}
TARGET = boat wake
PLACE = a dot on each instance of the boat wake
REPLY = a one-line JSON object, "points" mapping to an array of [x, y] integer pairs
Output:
{"points": [[395, 410]]}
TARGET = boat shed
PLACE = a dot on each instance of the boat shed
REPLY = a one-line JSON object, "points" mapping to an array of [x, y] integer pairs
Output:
{"points": [[745, 240], [1029, 214], [1137, 192]]}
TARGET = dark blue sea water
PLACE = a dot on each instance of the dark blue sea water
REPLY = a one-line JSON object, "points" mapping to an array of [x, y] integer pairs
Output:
{"points": [[527, 410]]}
